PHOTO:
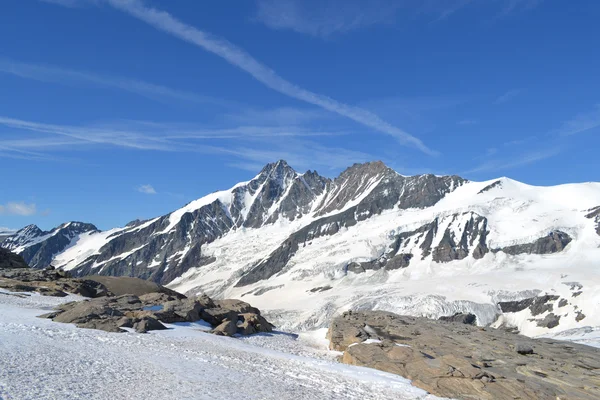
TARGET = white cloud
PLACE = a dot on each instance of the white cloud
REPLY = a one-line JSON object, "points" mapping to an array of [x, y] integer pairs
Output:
{"points": [[239, 58], [46, 73], [146, 189], [582, 122], [511, 94], [325, 17], [18, 208]]}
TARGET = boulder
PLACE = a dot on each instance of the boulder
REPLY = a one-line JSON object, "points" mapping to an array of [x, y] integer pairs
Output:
{"points": [[85, 311], [226, 328], [216, 316], [238, 306], [469, 319], [250, 323], [148, 324]]}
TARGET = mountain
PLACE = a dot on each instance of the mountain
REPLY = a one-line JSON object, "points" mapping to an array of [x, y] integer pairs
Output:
{"points": [[306, 247], [6, 232]]}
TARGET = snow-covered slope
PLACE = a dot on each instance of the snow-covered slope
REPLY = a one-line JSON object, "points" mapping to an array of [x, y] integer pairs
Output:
{"points": [[306, 247], [44, 360]]}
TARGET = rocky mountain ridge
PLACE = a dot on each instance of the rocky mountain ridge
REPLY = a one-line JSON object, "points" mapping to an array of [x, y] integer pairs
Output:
{"points": [[291, 236]]}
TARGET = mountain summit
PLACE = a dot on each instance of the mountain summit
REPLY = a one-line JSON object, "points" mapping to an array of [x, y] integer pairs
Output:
{"points": [[308, 245]]}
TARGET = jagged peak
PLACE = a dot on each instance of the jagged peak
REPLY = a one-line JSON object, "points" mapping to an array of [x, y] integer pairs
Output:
{"points": [[29, 228], [369, 169]]}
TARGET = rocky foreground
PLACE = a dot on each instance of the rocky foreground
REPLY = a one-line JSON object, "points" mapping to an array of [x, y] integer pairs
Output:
{"points": [[458, 360], [116, 303]]}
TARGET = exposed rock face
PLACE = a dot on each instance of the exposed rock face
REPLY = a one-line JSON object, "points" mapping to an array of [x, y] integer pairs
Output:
{"points": [[465, 362], [537, 305], [11, 260], [38, 247], [490, 187], [386, 189], [594, 214], [555, 242]]}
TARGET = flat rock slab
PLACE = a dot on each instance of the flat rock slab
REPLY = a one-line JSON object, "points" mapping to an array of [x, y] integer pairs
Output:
{"points": [[461, 361]]}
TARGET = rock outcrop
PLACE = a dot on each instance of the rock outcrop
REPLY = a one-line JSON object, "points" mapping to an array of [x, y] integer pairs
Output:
{"points": [[11, 260], [555, 242], [49, 282], [149, 311], [123, 302], [594, 214], [462, 361]]}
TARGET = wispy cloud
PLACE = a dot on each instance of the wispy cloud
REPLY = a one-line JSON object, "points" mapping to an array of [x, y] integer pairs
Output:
{"points": [[467, 122], [241, 59], [18, 208], [47, 73], [146, 189], [325, 17], [511, 94], [519, 161], [582, 122], [241, 146]]}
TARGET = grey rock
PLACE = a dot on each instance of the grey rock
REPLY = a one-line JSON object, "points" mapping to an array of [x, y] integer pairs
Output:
{"points": [[594, 214], [524, 348], [249, 323], [550, 321], [11, 260], [555, 242], [226, 328], [490, 187], [466, 362], [148, 324], [537, 305], [469, 319]]}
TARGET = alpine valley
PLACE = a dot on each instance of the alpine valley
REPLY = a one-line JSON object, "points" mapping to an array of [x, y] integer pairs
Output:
{"points": [[304, 248]]}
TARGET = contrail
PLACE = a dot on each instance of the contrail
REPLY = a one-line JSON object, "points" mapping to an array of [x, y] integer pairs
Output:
{"points": [[239, 58]]}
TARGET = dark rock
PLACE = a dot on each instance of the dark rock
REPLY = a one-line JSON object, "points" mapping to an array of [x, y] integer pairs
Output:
{"points": [[148, 324], [555, 242], [562, 303], [250, 323], [106, 324], [237, 306], [461, 318], [216, 316], [11, 260], [126, 285], [90, 288], [320, 289], [523, 349], [537, 305], [398, 261], [550, 321], [490, 187], [226, 328], [580, 316]]}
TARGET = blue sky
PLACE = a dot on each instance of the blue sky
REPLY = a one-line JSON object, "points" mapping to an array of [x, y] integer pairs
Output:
{"points": [[112, 110]]}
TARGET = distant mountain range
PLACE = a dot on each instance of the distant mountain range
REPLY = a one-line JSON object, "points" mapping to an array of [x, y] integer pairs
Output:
{"points": [[306, 246]]}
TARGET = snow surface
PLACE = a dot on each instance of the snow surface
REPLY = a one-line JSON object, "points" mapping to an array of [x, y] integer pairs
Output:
{"points": [[516, 213], [42, 359]]}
